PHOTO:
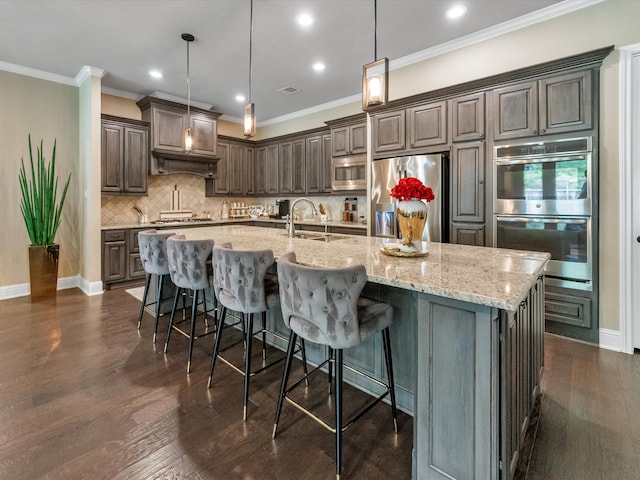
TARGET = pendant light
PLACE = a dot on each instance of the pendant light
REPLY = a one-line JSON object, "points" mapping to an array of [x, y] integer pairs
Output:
{"points": [[375, 75], [188, 139], [250, 108]]}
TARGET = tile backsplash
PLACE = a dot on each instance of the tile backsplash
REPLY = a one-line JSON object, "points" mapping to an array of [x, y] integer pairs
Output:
{"points": [[118, 210]]}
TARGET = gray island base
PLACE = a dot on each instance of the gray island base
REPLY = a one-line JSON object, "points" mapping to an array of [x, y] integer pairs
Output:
{"points": [[467, 341]]}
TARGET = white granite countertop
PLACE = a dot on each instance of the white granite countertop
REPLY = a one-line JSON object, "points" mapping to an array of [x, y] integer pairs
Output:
{"points": [[493, 277], [359, 226]]}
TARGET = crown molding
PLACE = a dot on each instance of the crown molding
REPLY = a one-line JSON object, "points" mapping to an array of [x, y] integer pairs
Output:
{"points": [[177, 99], [121, 93], [357, 98], [32, 72], [87, 72]]}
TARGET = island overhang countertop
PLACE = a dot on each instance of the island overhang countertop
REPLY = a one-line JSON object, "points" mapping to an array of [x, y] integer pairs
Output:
{"points": [[493, 277]]}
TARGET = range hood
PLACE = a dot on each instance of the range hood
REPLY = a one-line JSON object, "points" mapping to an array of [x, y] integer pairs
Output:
{"points": [[168, 121]]}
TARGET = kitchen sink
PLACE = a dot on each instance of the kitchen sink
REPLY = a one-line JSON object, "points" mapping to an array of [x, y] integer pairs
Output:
{"points": [[319, 236]]}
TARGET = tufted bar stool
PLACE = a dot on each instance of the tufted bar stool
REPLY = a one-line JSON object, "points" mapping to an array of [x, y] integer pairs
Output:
{"points": [[188, 260], [241, 284], [324, 307], [153, 254]]}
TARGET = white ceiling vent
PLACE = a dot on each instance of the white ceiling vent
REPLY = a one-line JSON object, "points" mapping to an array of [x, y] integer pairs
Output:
{"points": [[289, 90]]}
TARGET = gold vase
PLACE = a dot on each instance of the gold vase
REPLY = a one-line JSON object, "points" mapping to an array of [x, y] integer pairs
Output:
{"points": [[412, 217], [43, 271]]}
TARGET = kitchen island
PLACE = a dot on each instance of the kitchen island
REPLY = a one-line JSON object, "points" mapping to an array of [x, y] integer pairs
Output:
{"points": [[467, 340]]}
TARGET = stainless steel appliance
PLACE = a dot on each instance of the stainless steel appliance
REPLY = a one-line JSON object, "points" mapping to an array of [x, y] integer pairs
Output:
{"points": [[433, 171], [283, 208], [543, 202], [349, 173]]}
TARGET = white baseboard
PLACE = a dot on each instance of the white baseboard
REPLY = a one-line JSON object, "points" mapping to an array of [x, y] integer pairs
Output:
{"points": [[611, 340], [23, 290]]}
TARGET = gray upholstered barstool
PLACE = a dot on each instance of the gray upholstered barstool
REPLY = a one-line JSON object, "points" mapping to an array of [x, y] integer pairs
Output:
{"points": [[153, 254], [241, 285], [324, 307], [188, 261]]}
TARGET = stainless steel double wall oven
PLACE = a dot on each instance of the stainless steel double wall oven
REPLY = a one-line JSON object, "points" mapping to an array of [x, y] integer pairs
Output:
{"points": [[543, 202]]}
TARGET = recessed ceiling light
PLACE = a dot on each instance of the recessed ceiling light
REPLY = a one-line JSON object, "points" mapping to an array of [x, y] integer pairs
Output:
{"points": [[456, 12], [240, 98], [155, 73], [304, 19], [319, 66]]}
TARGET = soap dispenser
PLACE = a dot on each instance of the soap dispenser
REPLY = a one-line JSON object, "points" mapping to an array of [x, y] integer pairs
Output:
{"points": [[225, 210]]}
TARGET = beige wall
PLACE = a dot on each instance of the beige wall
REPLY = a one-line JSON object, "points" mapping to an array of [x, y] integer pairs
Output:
{"points": [[47, 111]]}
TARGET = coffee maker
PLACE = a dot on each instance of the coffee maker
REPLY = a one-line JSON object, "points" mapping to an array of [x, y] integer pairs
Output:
{"points": [[283, 208]]}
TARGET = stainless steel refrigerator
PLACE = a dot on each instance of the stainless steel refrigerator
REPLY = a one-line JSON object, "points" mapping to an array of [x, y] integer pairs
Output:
{"points": [[433, 171]]}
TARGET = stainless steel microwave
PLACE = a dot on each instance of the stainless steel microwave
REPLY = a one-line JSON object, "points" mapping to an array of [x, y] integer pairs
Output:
{"points": [[349, 173]]}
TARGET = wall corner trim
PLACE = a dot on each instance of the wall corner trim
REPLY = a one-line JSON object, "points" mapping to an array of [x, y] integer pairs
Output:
{"points": [[86, 72]]}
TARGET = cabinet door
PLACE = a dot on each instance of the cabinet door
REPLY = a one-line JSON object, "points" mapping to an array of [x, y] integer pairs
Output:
{"points": [[467, 178], [358, 138], [136, 160], [112, 160], [260, 171], [389, 131], [565, 103], [515, 111], [271, 170], [168, 129], [315, 159], [468, 234], [327, 168], [114, 254], [222, 170], [249, 170], [236, 170], [467, 118], [340, 141], [428, 125], [299, 168], [285, 167], [204, 131]]}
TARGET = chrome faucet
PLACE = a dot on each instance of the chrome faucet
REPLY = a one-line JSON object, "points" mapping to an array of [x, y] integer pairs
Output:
{"points": [[290, 228]]}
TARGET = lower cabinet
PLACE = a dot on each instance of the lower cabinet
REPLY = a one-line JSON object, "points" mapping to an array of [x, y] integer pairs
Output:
{"points": [[572, 313], [121, 256], [468, 234]]}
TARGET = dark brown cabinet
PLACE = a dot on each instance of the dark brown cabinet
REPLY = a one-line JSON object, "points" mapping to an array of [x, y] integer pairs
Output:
{"points": [[299, 166], [467, 118], [349, 139], [468, 193], [315, 168], [235, 170], [124, 156], [221, 182], [114, 256], [327, 166], [285, 167], [402, 131], [557, 104], [135, 268], [266, 170]]}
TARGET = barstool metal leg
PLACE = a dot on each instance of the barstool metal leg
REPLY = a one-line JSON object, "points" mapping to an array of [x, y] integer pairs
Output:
{"points": [[194, 311], [173, 313], [392, 389], [285, 378], [144, 299], [158, 302], [247, 366], [264, 335], [338, 398], [216, 348], [330, 367]]}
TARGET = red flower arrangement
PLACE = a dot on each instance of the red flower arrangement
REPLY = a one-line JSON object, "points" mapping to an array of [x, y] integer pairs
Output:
{"points": [[411, 187]]}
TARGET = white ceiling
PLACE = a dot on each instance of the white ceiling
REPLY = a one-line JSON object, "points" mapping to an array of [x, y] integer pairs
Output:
{"points": [[127, 38]]}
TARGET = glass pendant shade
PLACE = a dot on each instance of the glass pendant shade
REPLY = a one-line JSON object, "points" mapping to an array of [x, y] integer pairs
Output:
{"points": [[188, 140], [375, 83], [250, 120]]}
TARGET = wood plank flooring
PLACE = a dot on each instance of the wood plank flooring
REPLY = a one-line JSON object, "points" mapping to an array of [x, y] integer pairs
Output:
{"points": [[84, 395]]}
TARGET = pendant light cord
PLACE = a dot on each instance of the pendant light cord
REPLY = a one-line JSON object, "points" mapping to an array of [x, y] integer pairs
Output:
{"points": [[375, 30], [188, 88], [250, 48]]}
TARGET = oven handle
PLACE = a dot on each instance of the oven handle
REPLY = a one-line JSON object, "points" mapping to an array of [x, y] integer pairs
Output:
{"points": [[550, 158], [572, 221]]}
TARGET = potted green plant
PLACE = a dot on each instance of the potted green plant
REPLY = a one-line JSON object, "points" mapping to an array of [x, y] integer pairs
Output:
{"points": [[41, 211]]}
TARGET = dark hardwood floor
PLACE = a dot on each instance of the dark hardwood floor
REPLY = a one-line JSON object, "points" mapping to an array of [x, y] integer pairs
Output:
{"points": [[84, 395]]}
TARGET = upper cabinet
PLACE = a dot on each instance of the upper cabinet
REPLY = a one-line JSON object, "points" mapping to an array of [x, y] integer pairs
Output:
{"points": [[349, 135], [557, 104], [235, 169], [467, 117], [401, 131], [169, 121], [124, 156]]}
